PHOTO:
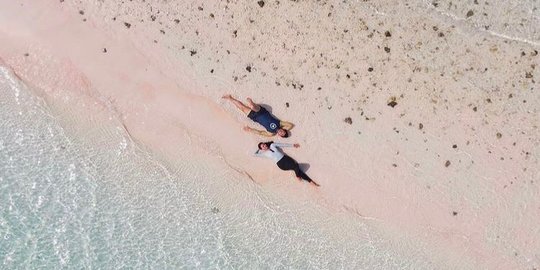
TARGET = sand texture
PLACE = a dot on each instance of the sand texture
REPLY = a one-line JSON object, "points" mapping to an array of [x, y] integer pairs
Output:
{"points": [[421, 117]]}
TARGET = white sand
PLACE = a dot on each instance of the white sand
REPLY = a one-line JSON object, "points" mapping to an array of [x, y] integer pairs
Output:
{"points": [[454, 81]]}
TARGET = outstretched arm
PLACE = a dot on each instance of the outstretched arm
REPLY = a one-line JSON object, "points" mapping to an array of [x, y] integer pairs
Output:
{"points": [[286, 125], [286, 145], [258, 132]]}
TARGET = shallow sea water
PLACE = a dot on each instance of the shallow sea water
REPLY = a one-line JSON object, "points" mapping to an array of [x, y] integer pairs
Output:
{"points": [[100, 201]]}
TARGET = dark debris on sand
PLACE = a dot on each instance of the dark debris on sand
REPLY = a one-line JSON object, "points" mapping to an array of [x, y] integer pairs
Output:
{"points": [[392, 103]]}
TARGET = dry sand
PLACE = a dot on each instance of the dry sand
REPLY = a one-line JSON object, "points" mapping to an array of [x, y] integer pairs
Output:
{"points": [[421, 117]]}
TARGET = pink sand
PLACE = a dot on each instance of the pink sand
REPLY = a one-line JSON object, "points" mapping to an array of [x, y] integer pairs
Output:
{"points": [[483, 207]]}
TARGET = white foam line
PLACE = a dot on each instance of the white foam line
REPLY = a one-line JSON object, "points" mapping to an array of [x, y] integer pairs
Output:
{"points": [[493, 33], [524, 40]]}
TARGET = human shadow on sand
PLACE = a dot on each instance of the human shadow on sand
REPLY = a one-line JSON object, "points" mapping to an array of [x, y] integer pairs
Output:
{"points": [[304, 166]]}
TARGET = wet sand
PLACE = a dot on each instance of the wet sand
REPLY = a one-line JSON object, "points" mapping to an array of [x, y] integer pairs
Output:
{"points": [[418, 117]]}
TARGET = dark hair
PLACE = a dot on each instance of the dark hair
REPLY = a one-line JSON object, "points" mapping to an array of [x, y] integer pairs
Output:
{"points": [[267, 144], [286, 133]]}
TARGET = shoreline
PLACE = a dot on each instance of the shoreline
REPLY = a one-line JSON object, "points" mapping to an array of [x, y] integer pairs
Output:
{"points": [[102, 134], [140, 93]]}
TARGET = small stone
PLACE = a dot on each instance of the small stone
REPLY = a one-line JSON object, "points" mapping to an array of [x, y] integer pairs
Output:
{"points": [[454, 146], [475, 109], [26, 54], [528, 75], [499, 135], [128, 25], [392, 103], [447, 163], [248, 68], [200, 8], [386, 49], [211, 71], [287, 104], [470, 13], [104, 50], [387, 34], [81, 12], [261, 3], [215, 210], [370, 69], [420, 126], [348, 120], [454, 213], [177, 21], [193, 52]]}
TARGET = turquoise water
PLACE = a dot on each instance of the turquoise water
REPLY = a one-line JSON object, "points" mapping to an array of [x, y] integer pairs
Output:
{"points": [[100, 201]]}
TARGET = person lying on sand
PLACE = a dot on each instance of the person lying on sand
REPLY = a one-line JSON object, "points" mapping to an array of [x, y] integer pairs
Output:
{"points": [[284, 162], [260, 115]]}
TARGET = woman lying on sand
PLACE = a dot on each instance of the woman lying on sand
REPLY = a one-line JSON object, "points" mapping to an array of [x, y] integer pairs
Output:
{"points": [[284, 162]]}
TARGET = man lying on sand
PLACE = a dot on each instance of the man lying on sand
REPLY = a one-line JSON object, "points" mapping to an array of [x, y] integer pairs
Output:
{"points": [[260, 115]]}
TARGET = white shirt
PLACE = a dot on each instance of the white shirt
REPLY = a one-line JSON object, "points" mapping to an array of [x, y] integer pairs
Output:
{"points": [[276, 154]]}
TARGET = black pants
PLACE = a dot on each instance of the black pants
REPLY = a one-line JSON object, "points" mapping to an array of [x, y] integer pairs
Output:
{"points": [[286, 163]]}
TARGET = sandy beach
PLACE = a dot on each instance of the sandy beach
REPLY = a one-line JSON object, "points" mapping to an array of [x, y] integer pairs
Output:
{"points": [[419, 118]]}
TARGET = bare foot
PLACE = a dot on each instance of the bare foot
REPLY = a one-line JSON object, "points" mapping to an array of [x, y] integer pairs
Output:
{"points": [[228, 96]]}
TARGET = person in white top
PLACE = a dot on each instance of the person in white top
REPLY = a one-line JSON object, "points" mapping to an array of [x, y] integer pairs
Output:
{"points": [[270, 150]]}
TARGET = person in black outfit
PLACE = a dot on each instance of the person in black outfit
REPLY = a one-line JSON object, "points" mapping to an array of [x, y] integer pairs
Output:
{"points": [[284, 162]]}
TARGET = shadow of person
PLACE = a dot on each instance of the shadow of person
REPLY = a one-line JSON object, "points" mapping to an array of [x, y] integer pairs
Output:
{"points": [[267, 107], [304, 166]]}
